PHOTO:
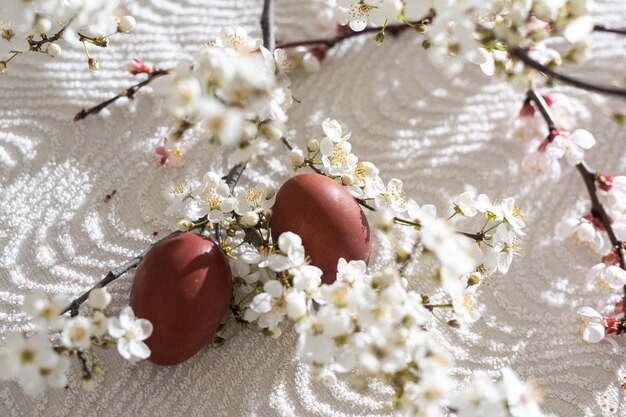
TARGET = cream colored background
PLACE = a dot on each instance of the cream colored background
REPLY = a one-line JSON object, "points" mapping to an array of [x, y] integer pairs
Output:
{"points": [[58, 233]]}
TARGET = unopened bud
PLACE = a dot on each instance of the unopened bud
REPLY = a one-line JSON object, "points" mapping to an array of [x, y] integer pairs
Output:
{"points": [[94, 65], [53, 50], [250, 219], [97, 369], [313, 145], [454, 324], [296, 156], [347, 180], [185, 225], [271, 131], [126, 24]]}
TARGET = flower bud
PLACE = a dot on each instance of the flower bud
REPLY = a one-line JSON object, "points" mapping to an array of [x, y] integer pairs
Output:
{"points": [[3, 67], [211, 179], [185, 225], [297, 157], [53, 50], [250, 219], [267, 213], [271, 131], [126, 24], [137, 66], [42, 25], [313, 145], [88, 384], [347, 180], [99, 298], [94, 65]]}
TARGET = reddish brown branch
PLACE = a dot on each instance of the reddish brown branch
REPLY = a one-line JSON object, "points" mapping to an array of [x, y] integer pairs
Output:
{"points": [[589, 177], [394, 29], [523, 56], [129, 93]]}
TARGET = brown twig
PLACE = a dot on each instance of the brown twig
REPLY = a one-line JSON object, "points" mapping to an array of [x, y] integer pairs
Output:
{"points": [[589, 177], [394, 29], [108, 278], [522, 55], [129, 93], [616, 30], [37, 45], [267, 25]]}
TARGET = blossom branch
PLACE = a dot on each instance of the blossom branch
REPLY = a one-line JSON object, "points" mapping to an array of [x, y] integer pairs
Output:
{"points": [[589, 177], [394, 29], [129, 93], [523, 56], [267, 25]]}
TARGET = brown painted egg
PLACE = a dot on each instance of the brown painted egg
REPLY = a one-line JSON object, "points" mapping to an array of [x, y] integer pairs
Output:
{"points": [[183, 286], [324, 214]]}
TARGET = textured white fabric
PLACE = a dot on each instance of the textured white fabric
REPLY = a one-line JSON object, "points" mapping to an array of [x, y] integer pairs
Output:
{"points": [[58, 233]]}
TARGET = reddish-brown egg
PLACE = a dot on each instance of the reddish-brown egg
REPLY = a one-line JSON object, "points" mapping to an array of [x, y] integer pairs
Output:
{"points": [[183, 286], [324, 214]]}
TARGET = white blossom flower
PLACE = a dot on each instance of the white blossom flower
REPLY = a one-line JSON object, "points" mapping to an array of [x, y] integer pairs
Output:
{"points": [[607, 273], [466, 204], [358, 13], [513, 215], [583, 230], [213, 198], [490, 208], [77, 333], [481, 398], [465, 303], [98, 324], [130, 333], [504, 246], [522, 398], [593, 325], [334, 131], [254, 199], [392, 196], [337, 158], [571, 145], [33, 362], [45, 309], [238, 39]]}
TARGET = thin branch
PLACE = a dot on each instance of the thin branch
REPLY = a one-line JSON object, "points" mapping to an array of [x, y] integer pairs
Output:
{"points": [[129, 93], [267, 25], [110, 277], [616, 30], [394, 29], [37, 45], [589, 176], [523, 56]]}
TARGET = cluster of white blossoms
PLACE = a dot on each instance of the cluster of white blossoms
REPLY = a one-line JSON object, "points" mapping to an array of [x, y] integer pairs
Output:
{"points": [[234, 89], [607, 277], [481, 31], [32, 25], [372, 322], [41, 358]]}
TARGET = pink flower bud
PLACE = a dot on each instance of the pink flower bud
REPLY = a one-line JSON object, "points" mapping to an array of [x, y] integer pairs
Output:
{"points": [[595, 221], [619, 307], [611, 258], [610, 325], [605, 181], [137, 66], [527, 110], [549, 100]]}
